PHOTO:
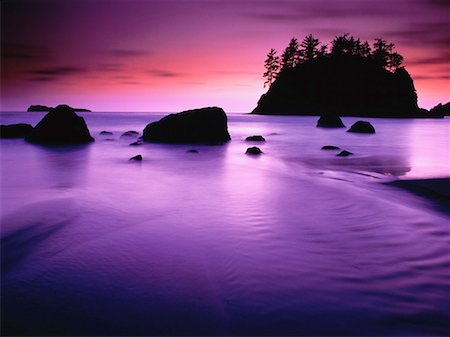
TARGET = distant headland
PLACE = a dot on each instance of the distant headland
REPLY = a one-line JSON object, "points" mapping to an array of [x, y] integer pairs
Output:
{"points": [[46, 108], [350, 78]]}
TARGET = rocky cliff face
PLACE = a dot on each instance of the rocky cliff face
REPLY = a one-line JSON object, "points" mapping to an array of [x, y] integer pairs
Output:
{"points": [[346, 86]]}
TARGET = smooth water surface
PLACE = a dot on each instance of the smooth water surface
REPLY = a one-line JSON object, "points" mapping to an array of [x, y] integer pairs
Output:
{"points": [[296, 241]]}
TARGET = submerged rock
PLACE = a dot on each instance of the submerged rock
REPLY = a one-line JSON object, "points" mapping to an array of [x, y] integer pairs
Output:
{"points": [[204, 126], [192, 151], [255, 139], [362, 127], [330, 147], [131, 133], [60, 126], [106, 133], [253, 150], [137, 157], [20, 130], [330, 121], [344, 154], [136, 143]]}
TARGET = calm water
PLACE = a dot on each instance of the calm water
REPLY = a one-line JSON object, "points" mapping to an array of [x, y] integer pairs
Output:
{"points": [[294, 242]]}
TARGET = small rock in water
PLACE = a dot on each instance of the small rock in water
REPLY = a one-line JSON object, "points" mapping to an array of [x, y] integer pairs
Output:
{"points": [[130, 134], [136, 143], [106, 133], [255, 139], [330, 147], [362, 127], [192, 151], [253, 150], [344, 154], [138, 157]]}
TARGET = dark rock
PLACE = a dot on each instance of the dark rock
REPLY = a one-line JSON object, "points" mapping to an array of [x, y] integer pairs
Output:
{"points": [[130, 134], [330, 147], [192, 151], [60, 126], [441, 110], [46, 108], [137, 157], [203, 126], [255, 139], [38, 108], [362, 127], [106, 133], [137, 143], [15, 130], [330, 121], [253, 150], [344, 154], [348, 85]]}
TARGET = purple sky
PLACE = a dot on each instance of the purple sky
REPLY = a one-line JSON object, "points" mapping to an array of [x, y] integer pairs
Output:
{"points": [[171, 55]]}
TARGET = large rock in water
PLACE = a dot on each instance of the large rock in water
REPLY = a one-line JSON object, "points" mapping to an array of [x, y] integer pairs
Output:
{"points": [[20, 130], [330, 121], [346, 86], [60, 126], [205, 126]]}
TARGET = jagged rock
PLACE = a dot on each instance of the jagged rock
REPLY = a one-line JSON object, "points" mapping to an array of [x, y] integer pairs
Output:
{"points": [[441, 110], [362, 127], [60, 126], [330, 147], [330, 121], [38, 108], [255, 139], [20, 130], [137, 157], [204, 126], [253, 150], [344, 154]]}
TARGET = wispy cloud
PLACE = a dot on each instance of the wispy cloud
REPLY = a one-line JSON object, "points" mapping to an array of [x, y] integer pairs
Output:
{"points": [[163, 73], [58, 71], [23, 51]]}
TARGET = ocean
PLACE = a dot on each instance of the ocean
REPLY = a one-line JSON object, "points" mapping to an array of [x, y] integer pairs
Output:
{"points": [[295, 241]]}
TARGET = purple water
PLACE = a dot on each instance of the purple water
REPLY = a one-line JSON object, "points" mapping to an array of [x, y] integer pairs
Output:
{"points": [[293, 242]]}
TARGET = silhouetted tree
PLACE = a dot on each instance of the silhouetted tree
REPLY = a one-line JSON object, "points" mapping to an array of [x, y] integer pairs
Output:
{"points": [[309, 48], [384, 56], [272, 65], [290, 56]]}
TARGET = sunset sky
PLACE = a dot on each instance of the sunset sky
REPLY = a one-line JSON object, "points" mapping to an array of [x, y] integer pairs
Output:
{"points": [[172, 55]]}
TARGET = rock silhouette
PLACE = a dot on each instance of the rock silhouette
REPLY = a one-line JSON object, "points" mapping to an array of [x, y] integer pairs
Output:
{"points": [[330, 147], [255, 139], [46, 108], [253, 150], [441, 110], [130, 134], [60, 126], [137, 157], [205, 126], [344, 154], [106, 133], [344, 85], [20, 130], [330, 121], [362, 127]]}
